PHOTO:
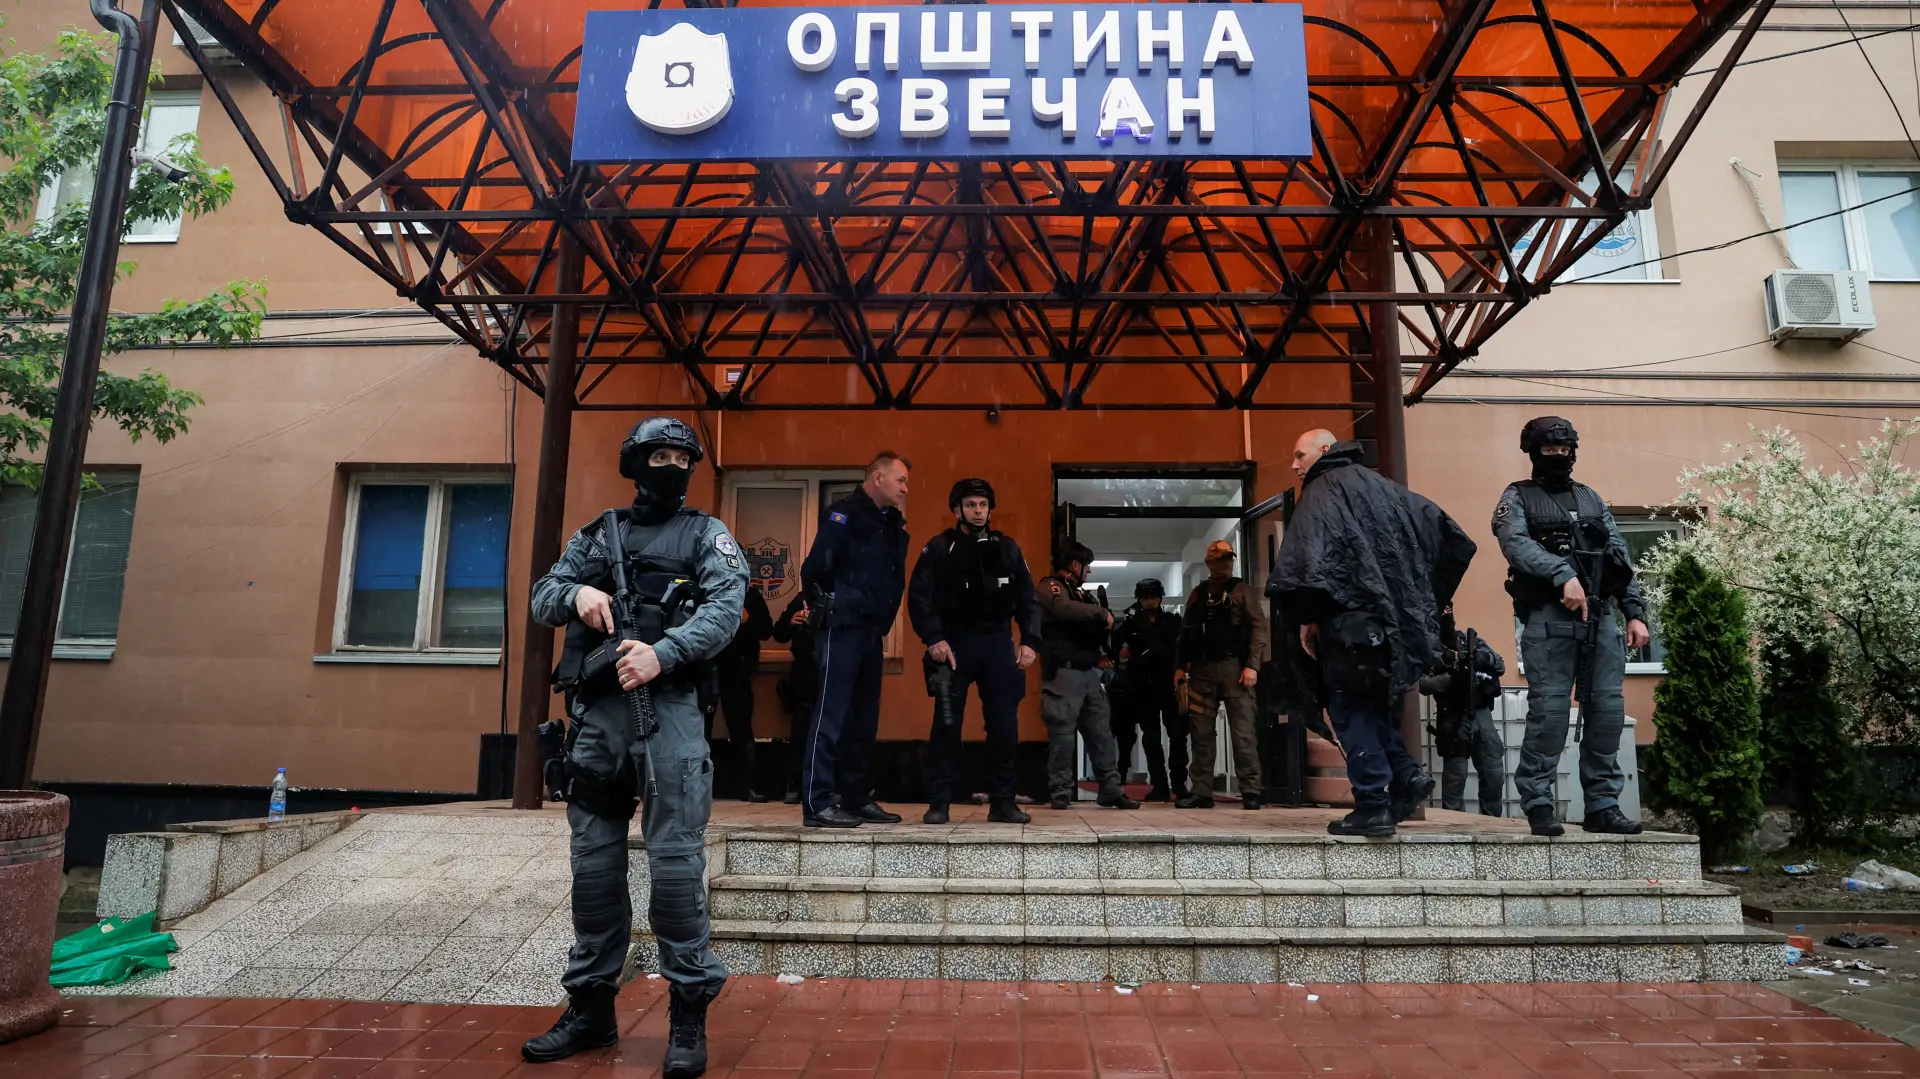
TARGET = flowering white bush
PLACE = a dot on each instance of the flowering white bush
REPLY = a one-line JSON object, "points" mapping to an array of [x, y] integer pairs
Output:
{"points": [[1822, 556]]}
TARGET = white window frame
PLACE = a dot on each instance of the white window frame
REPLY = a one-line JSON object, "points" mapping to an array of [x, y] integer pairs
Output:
{"points": [[1648, 227], [1648, 522], [433, 566], [1854, 218], [158, 99], [85, 647], [809, 482]]}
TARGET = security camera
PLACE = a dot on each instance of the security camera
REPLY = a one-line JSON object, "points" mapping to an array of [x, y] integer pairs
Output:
{"points": [[168, 171]]}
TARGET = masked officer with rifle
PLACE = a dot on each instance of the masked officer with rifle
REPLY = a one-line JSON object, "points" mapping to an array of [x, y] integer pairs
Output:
{"points": [[1464, 684], [649, 595], [1073, 641], [969, 582], [1567, 571]]}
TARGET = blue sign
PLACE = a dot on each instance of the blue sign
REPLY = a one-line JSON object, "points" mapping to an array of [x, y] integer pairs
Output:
{"points": [[946, 82]]}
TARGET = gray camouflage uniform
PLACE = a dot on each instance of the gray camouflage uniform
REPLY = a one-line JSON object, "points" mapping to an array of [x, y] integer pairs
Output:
{"points": [[676, 804], [1550, 650]]}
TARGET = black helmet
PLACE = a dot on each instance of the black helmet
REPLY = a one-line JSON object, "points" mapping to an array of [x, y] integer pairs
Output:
{"points": [[652, 432], [1548, 431], [1074, 551], [972, 487], [1149, 587]]}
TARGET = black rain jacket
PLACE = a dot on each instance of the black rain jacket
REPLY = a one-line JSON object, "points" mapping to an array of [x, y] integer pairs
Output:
{"points": [[1361, 542]]}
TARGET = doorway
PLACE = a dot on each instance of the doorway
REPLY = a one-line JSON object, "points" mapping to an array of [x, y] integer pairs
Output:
{"points": [[1156, 523]]}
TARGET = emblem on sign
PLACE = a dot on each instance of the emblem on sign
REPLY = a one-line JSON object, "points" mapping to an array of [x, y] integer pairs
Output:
{"points": [[767, 567], [682, 80]]}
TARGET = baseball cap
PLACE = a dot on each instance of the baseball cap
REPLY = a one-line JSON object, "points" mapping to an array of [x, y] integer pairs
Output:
{"points": [[1219, 549]]}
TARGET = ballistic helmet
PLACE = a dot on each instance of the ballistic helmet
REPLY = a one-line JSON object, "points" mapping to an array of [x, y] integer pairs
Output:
{"points": [[654, 432], [1548, 431], [1149, 587], [1073, 551], [972, 487]]}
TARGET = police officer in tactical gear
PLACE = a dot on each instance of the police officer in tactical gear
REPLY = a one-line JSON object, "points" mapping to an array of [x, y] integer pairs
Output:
{"points": [[1567, 571], [1073, 640], [1145, 700], [1464, 683], [689, 579], [1223, 645], [969, 582]]}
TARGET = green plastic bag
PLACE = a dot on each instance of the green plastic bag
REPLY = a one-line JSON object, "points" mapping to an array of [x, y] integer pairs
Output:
{"points": [[111, 952]]}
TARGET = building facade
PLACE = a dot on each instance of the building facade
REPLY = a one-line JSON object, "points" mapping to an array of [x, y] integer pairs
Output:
{"points": [[328, 573]]}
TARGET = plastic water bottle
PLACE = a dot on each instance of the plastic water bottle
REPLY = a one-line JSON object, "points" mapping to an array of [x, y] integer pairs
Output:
{"points": [[277, 801]]}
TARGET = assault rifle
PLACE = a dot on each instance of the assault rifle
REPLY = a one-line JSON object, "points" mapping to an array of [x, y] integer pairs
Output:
{"points": [[1587, 568], [642, 721]]}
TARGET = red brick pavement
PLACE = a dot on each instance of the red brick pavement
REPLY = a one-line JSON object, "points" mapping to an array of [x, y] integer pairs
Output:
{"points": [[839, 1029]]}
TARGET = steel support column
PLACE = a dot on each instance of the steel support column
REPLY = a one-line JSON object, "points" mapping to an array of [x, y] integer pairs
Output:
{"points": [[33, 638], [1389, 409], [549, 508]]}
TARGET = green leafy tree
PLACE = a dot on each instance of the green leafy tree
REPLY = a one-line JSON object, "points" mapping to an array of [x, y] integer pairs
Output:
{"points": [[53, 119], [1811, 754], [1708, 756], [1827, 556]]}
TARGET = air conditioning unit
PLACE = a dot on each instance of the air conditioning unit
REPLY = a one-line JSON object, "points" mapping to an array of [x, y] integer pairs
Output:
{"points": [[210, 46], [1832, 305]]}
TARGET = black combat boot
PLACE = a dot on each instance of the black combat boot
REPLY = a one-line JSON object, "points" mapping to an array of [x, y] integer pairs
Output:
{"points": [[1195, 801], [1116, 801], [1159, 794], [1006, 812], [1375, 822], [1412, 794], [935, 814], [1060, 801], [686, 1037], [1610, 821], [588, 1023], [1543, 822]]}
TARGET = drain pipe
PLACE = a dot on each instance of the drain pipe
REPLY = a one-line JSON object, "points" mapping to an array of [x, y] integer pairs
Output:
{"points": [[73, 411]]}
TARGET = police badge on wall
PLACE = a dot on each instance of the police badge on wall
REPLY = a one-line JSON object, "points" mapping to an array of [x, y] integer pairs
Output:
{"points": [[682, 80]]}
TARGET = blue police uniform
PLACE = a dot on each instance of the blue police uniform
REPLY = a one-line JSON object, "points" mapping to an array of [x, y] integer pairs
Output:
{"points": [[859, 558], [966, 587]]}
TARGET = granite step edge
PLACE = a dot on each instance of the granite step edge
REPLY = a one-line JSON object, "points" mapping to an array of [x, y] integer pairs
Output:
{"points": [[1216, 886], [1238, 937]]}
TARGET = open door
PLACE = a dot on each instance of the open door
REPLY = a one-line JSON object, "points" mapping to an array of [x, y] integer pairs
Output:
{"points": [[1063, 531], [1282, 737]]}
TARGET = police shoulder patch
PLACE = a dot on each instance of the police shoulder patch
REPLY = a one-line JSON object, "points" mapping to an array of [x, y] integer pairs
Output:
{"points": [[837, 517], [725, 542], [1053, 586]]}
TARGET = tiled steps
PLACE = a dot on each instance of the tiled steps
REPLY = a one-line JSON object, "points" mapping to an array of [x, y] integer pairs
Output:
{"points": [[1094, 953], [1219, 904], [977, 902], [1034, 854]]}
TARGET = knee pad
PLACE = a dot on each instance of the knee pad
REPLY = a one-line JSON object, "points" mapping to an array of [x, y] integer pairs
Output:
{"points": [[677, 908], [600, 900]]}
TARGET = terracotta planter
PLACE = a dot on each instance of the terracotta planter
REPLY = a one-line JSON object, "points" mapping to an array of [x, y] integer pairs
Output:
{"points": [[33, 840]]}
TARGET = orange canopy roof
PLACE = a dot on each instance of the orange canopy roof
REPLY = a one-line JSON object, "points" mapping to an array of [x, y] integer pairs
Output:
{"points": [[1489, 142]]}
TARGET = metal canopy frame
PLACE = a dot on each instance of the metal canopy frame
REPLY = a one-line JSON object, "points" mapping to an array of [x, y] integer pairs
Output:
{"points": [[435, 150]]}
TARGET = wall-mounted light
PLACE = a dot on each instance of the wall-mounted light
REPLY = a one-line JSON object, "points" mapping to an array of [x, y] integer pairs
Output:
{"points": [[1109, 563]]}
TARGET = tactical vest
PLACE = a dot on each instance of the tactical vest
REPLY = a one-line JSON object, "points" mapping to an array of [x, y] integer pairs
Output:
{"points": [[1223, 630], [1078, 642], [971, 590], [1567, 530], [667, 568]]}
